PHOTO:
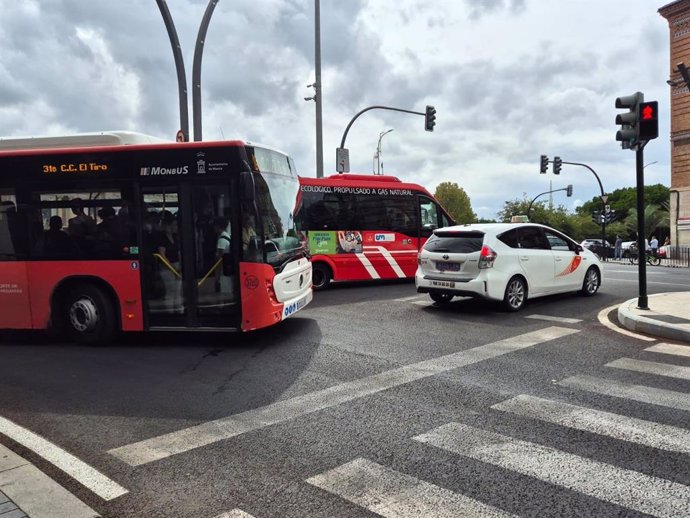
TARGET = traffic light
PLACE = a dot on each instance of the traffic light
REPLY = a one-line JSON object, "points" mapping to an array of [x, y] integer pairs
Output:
{"points": [[557, 165], [596, 217], [569, 191], [544, 164], [628, 134], [648, 121], [430, 118]]}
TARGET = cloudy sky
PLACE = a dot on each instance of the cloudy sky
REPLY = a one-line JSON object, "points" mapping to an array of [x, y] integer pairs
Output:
{"points": [[510, 79]]}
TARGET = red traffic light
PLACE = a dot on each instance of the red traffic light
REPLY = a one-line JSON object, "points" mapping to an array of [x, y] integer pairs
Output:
{"points": [[648, 125], [648, 112]]}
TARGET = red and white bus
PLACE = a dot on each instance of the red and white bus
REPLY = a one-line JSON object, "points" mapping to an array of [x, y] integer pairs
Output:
{"points": [[364, 227], [120, 231]]}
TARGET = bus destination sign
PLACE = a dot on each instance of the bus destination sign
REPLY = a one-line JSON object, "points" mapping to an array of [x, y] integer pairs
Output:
{"points": [[75, 168]]}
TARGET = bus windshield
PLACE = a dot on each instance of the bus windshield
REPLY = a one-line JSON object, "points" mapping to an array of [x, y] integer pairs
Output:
{"points": [[277, 190]]}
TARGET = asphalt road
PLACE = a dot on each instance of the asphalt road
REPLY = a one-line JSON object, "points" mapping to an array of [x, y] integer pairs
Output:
{"points": [[372, 400]]}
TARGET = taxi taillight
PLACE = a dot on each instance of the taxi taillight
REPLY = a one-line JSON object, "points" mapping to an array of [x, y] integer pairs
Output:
{"points": [[487, 257]]}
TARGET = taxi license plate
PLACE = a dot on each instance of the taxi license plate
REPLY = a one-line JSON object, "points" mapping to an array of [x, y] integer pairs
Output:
{"points": [[443, 284], [448, 267]]}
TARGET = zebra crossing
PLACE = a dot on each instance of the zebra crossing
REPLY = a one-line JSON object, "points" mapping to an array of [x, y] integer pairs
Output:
{"points": [[391, 493]]}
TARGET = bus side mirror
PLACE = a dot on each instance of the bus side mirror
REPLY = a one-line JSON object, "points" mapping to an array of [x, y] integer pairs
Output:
{"points": [[247, 186]]}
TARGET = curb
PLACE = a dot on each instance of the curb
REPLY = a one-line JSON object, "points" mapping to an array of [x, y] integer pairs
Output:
{"points": [[629, 317]]}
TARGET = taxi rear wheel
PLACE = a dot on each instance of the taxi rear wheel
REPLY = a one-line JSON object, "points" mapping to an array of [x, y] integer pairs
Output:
{"points": [[441, 298], [515, 295], [591, 282]]}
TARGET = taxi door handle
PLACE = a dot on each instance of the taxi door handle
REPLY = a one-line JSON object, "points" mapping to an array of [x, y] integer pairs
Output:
{"points": [[559, 259], [524, 258]]}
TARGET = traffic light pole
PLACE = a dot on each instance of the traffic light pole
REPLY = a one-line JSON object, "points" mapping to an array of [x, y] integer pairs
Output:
{"points": [[642, 302], [542, 194], [603, 203], [347, 129]]}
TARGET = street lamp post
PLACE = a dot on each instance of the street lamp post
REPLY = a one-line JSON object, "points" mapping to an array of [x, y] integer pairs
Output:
{"points": [[378, 149]]}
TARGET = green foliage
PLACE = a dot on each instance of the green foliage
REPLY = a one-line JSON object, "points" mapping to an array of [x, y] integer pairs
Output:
{"points": [[456, 201], [580, 226], [625, 199], [656, 221]]}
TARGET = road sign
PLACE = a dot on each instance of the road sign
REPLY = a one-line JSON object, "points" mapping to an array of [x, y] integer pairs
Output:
{"points": [[179, 137], [604, 198], [342, 160]]}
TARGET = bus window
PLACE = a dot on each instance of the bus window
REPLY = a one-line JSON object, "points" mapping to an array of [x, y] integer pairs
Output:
{"points": [[95, 225], [429, 216], [8, 212]]}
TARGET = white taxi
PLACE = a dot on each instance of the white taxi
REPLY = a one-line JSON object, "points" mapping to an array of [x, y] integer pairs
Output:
{"points": [[506, 262]]}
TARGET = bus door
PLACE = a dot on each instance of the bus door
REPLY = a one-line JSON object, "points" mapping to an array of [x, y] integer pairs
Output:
{"points": [[188, 257], [216, 249]]}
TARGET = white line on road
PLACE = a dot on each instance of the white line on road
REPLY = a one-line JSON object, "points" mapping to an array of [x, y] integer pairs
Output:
{"points": [[653, 282], [392, 494], [549, 318], [619, 389], [235, 513], [604, 321], [639, 431], [674, 349], [660, 369], [173, 443], [408, 299], [89, 477], [623, 487]]}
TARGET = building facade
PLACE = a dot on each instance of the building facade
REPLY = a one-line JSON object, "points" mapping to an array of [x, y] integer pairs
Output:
{"points": [[678, 16]]}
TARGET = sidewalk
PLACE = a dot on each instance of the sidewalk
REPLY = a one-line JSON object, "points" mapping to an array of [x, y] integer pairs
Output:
{"points": [[668, 316], [25, 491]]}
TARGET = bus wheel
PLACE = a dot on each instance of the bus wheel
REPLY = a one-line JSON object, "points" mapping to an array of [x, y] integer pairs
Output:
{"points": [[321, 276], [90, 315]]}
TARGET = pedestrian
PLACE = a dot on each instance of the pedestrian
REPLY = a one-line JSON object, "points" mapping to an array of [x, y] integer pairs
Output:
{"points": [[618, 248], [654, 245], [667, 241]]}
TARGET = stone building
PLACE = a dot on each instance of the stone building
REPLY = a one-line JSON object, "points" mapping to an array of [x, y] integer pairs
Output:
{"points": [[678, 16]]}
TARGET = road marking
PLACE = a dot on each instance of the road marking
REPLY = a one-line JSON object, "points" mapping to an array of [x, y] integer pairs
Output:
{"points": [[549, 318], [623, 487], [619, 389], [87, 476], [408, 299], [392, 494], [639, 431], [676, 350], [660, 369], [604, 321], [173, 443], [235, 513], [654, 282], [423, 303]]}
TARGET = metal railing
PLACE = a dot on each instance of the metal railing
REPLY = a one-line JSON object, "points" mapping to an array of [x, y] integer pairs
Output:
{"points": [[671, 256]]}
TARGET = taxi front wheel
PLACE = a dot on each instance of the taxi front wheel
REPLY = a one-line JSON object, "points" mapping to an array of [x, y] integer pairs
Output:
{"points": [[591, 282]]}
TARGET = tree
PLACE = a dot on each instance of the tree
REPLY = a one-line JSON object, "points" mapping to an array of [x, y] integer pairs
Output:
{"points": [[654, 217], [625, 199], [456, 201]]}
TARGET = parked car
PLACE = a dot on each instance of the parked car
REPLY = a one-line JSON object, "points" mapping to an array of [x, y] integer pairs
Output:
{"points": [[506, 262], [589, 242]]}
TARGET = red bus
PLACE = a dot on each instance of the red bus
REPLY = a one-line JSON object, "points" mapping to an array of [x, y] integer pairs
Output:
{"points": [[120, 231], [363, 227]]}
